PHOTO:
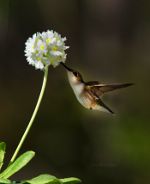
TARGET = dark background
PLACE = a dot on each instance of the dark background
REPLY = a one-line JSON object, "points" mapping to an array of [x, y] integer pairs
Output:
{"points": [[109, 41]]}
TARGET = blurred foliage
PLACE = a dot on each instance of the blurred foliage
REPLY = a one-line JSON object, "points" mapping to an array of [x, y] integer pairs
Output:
{"points": [[22, 161]]}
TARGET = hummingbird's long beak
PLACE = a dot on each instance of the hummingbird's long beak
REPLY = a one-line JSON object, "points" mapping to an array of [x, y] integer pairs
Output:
{"points": [[66, 67]]}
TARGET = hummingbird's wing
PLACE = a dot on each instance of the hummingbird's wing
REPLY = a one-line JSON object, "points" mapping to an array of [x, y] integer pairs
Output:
{"points": [[99, 89], [93, 83], [96, 94], [101, 103]]}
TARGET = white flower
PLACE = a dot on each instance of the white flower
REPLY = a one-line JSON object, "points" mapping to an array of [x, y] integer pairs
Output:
{"points": [[44, 49]]}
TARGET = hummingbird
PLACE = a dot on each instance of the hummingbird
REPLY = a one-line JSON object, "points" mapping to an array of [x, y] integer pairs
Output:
{"points": [[89, 93]]}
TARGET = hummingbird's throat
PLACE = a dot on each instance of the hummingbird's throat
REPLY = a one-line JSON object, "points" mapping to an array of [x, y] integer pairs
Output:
{"points": [[72, 79]]}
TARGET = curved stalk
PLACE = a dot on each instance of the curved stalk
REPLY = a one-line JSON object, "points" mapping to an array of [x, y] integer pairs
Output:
{"points": [[32, 117]]}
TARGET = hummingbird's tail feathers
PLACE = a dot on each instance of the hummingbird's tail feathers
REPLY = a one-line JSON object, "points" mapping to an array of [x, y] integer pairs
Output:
{"points": [[104, 88], [104, 107]]}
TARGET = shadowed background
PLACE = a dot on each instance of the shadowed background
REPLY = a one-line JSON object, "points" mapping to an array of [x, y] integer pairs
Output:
{"points": [[109, 41]]}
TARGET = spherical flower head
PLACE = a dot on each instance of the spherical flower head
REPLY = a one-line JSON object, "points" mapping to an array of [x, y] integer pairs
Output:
{"points": [[46, 48]]}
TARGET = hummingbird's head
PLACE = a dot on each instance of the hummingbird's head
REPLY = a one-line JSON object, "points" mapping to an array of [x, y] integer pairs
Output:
{"points": [[74, 76]]}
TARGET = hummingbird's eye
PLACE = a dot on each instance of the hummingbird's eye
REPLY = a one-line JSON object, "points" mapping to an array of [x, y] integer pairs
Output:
{"points": [[76, 74]]}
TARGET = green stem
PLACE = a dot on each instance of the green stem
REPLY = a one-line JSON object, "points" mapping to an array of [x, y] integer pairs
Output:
{"points": [[33, 116]]}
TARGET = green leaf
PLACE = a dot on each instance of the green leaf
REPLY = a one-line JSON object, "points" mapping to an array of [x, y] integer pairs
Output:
{"points": [[71, 180], [5, 181], [2, 153], [18, 164], [44, 179]]}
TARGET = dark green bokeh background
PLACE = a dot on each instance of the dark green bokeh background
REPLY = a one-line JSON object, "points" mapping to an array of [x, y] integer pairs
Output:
{"points": [[109, 41]]}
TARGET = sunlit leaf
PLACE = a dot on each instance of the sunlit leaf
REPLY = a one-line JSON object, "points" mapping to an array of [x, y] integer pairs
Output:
{"points": [[2, 153], [5, 181], [44, 179], [19, 163], [71, 180]]}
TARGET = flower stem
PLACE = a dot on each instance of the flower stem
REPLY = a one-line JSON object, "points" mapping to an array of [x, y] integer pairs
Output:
{"points": [[33, 116]]}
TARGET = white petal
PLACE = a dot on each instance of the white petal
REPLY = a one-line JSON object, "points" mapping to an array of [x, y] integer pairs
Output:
{"points": [[43, 47]]}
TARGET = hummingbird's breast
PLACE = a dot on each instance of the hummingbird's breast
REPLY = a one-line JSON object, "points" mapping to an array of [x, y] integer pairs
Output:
{"points": [[78, 90], [87, 100], [81, 93], [83, 96]]}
